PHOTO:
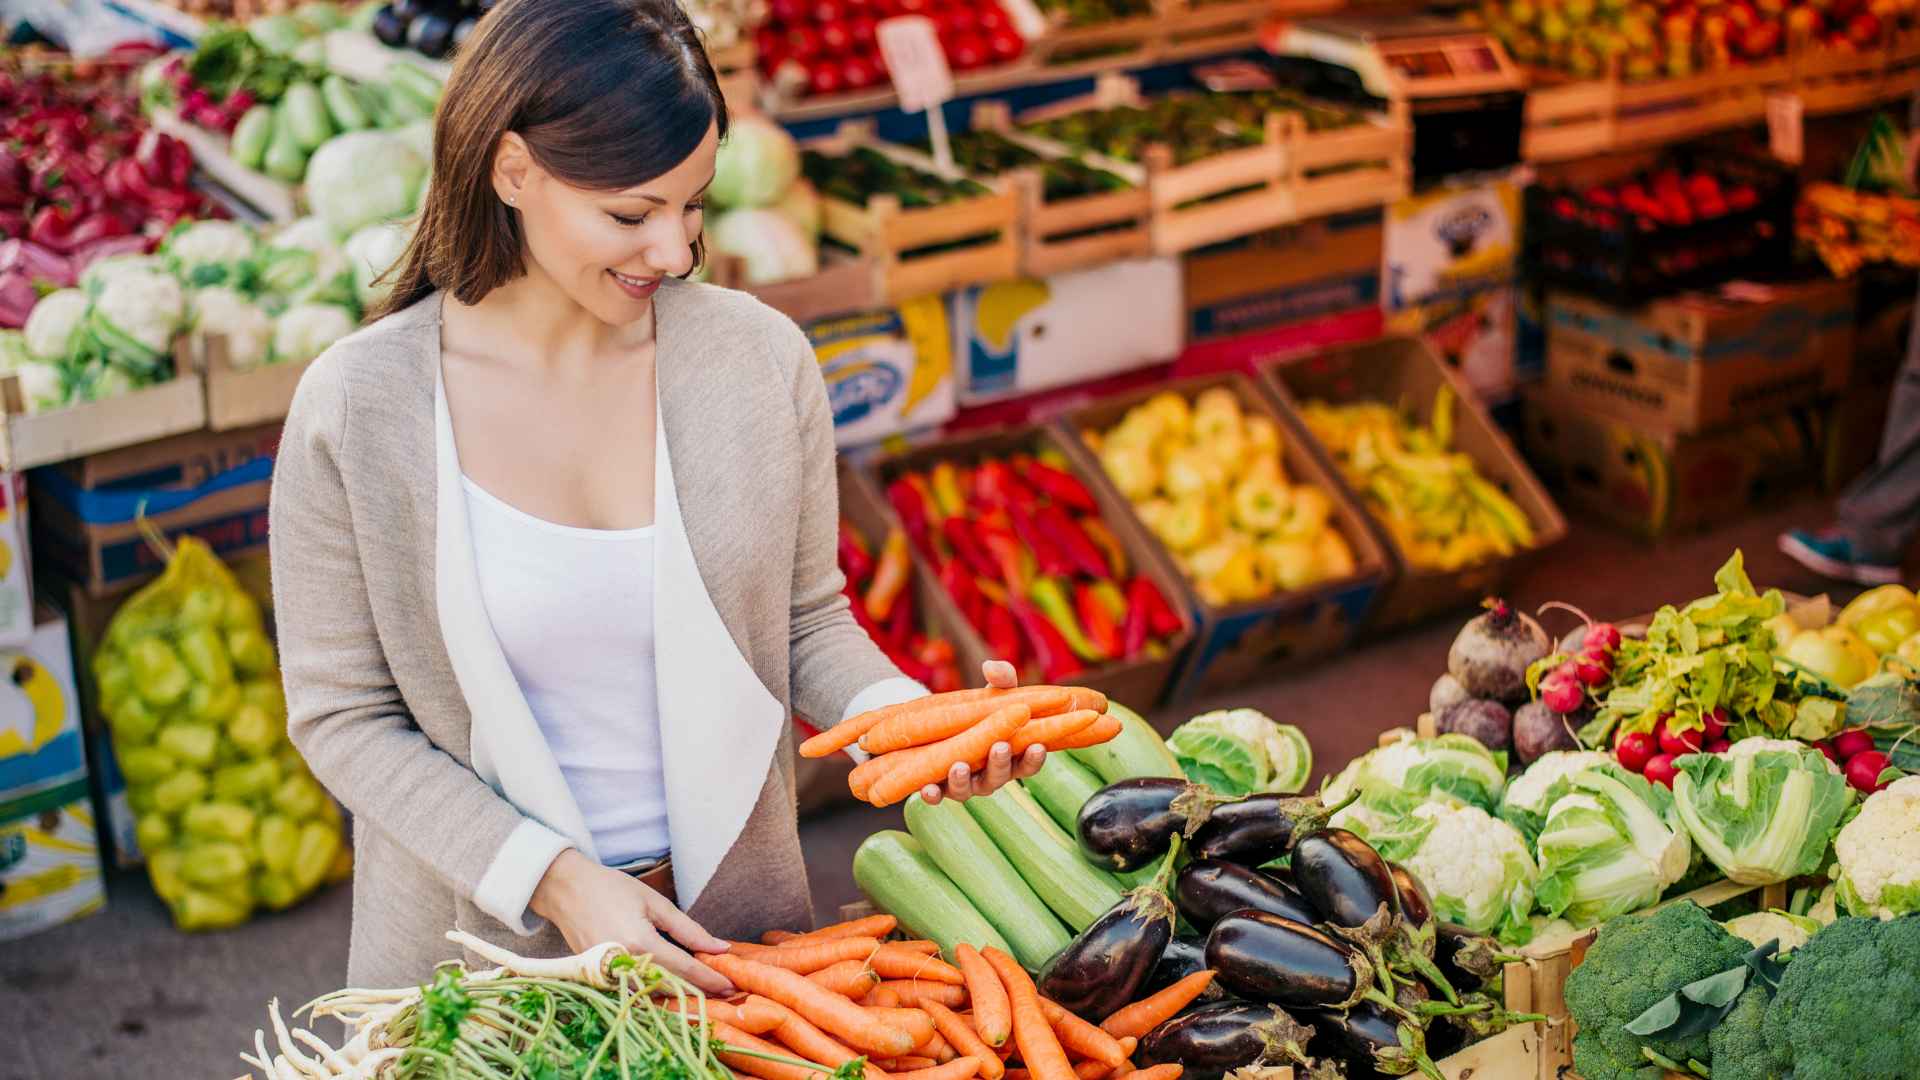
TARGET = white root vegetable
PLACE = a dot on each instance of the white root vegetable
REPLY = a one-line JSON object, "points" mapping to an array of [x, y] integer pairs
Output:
{"points": [[308, 1066], [333, 1058], [374, 1064], [593, 967]]}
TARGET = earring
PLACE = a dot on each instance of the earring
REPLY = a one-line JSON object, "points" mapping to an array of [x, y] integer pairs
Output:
{"points": [[513, 200]]}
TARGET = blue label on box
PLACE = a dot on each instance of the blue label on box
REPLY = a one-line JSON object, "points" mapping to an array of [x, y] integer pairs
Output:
{"points": [[1279, 307]]}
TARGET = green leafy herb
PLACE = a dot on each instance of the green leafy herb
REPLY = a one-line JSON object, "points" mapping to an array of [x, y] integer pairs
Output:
{"points": [[443, 1007]]}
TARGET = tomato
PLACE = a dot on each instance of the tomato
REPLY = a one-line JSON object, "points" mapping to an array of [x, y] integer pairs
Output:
{"points": [[860, 71], [992, 17], [1661, 770], [836, 38], [788, 11], [912, 7], [956, 20], [803, 43], [824, 77], [827, 11], [965, 51], [1005, 45], [863, 28], [1634, 750], [1677, 743]]}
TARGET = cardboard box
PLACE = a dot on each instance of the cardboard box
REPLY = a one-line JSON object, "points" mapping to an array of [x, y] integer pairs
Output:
{"points": [[1450, 242], [16, 563], [96, 537], [183, 461], [1027, 335], [888, 371], [1697, 362], [1283, 277], [1404, 370], [1656, 482], [1473, 333], [1250, 353], [1240, 641], [49, 855]]}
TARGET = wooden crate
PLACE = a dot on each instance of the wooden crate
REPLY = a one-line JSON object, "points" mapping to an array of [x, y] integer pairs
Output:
{"points": [[1063, 235], [1138, 684], [174, 407], [843, 286], [1175, 30], [276, 201], [1514, 1054], [1829, 81], [898, 238], [239, 398]]}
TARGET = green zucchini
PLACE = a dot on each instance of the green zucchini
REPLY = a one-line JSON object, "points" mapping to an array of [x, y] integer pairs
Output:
{"points": [[343, 104], [1046, 856], [252, 135], [1062, 787], [894, 871], [1137, 751], [961, 849]]}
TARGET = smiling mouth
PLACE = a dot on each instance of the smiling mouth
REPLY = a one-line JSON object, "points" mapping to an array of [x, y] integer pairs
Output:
{"points": [[635, 283]]}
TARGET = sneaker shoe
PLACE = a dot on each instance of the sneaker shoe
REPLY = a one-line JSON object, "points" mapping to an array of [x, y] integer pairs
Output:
{"points": [[1831, 554]]}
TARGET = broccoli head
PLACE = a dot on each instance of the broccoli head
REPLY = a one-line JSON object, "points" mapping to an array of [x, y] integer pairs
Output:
{"points": [[1739, 1043], [1846, 1006], [1635, 961]]}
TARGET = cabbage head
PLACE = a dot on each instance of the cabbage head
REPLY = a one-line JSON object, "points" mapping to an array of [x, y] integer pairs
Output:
{"points": [[756, 164], [1406, 772], [773, 248], [363, 178], [304, 331], [1529, 795], [1610, 845], [372, 252], [1761, 814], [1242, 751]]}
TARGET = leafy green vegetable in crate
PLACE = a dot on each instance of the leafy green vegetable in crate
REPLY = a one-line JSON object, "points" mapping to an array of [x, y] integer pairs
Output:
{"points": [[1765, 810], [1242, 751]]}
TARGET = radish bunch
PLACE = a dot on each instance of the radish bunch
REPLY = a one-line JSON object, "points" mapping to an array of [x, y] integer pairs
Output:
{"points": [[1652, 753], [1565, 688]]}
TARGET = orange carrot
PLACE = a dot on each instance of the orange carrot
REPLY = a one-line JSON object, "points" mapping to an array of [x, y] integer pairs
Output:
{"points": [[910, 1063], [753, 1066], [775, 937], [823, 1007], [964, 1040], [864, 775], [927, 764], [992, 1016], [1040, 1048], [883, 996], [1051, 730], [893, 961], [1084, 698], [957, 1069], [873, 926], [841, 735], [944, 721], [938, 1048], [916, 993], [914, 1022], [1081, 1037], [848, 978], [1158, 1072], [809, 957], [1105, 729], [1150, 1012], [812, 1044], [926, 948], [753, 1015], [1091, 1069]]}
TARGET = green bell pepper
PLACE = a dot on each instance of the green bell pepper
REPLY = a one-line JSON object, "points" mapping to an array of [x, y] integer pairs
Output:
{"points": [[298, 797], [162, 678], [143, 765], [278, 842], [246, 780], [195, 744], [219, 821], [198, 909], [205, 654], [319, 843], [252, 652], [252, 730], [213, 864], [212, 702], [179, 791]]}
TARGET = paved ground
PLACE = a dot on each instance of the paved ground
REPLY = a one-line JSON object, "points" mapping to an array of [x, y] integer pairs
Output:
{"points": [[123, 994]]}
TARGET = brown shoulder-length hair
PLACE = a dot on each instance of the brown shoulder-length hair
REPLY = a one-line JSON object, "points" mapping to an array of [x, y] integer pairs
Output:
{"points": [[607, 94]]}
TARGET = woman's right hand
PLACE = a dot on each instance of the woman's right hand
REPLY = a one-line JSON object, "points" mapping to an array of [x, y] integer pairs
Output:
{"points": [[592, 904]]}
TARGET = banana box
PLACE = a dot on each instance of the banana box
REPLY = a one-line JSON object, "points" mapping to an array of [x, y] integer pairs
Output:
{"points": [[1657, 482], [1473, 333], [1450, 242], [49, 852], [1028, 335], [888, 371]]}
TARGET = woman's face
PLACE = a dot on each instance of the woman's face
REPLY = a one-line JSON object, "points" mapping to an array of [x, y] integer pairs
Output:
{"points": [[609, 250]]}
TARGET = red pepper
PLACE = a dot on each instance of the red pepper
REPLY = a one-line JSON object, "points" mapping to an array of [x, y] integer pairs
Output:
{"points": [[957, 579], [1013, 563], [1061, 486], [1003, 635], [97, 226], [960, 536], [855, 560], [1064, 532], [1096, 620], [860, 614], [1133, 632], [1109, 544], [993, 484], [1050, 648], [912, 508], [1048, 554], [1160, 618], [900, 621]]}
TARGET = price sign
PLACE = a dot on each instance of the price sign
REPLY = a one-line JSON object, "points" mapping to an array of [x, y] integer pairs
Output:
{"points": [[918, 66], [1786, 128]]}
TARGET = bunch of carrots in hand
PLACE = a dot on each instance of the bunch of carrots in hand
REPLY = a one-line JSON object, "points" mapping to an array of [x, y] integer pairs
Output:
{"points": [[917, 742], [846, 992]]}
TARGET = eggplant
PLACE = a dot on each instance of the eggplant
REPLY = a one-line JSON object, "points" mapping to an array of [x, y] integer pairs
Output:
{"points": [[1369, 1037], [1259, 828], [1105, 967], [1211, 1042], [1182, 957], [431, 34], [1276, 959], [1467, 958], [1126, 825], [390, 27], [1410, 898], [1342, 877], [1208, 890]]}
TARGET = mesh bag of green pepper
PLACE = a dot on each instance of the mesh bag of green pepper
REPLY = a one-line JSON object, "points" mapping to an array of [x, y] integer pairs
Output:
{"points": [[224, 808]]}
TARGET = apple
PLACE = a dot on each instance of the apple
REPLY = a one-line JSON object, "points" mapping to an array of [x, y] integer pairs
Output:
{"points": [[1835, 654]]}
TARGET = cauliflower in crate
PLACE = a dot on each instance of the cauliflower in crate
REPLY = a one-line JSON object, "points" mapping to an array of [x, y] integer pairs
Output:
{"points": [[207, 253], [1879, 853], [1474, 866], [1531, 794], [246, 329], [1413, 769], [305, 330]]}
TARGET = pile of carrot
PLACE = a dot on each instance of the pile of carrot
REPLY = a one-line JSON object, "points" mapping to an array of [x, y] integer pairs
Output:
{"points": [[917, 742], [852, 991]]}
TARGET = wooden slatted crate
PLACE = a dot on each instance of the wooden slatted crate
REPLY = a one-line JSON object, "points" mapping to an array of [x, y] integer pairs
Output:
{"points": [[28, 439], [1060, 235]]}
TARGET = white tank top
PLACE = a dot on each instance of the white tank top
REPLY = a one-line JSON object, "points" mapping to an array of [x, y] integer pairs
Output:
{"points": [[573, 611]]}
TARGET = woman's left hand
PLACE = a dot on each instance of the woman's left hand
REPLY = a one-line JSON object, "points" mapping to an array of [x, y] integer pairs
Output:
{"points": [[962, 781]]}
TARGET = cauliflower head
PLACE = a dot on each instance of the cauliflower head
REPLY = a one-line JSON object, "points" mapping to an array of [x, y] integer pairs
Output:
{"points": [[53, 323], [305, 330], [1879, 853], [1532, 793], [1475, 867], [138, 312], [247, 329], [207, 253]]}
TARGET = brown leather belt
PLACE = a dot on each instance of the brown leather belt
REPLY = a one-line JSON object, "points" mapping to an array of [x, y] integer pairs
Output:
{"points": [[658, 877]]}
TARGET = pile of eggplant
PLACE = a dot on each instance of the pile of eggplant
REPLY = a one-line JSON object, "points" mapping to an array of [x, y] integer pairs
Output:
{"points": [[1326, 957]]}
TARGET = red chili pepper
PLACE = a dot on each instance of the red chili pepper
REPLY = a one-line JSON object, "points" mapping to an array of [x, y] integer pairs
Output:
{"points": [[900, 620], [1160, 618], [1134, 631], [860, 614], [1097, 531], [1061, 486], [1050, 648], [1065, 533], [1050, 556], [97, 226], [1013, 563], [1096, 621], [912, 508], [1003, 635], [855, 560], [957, 579], [961, 537]]}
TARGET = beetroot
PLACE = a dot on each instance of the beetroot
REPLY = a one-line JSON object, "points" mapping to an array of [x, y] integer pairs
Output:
{"points": [[1491, 654], [1487, 721], [1538, 729], [1446, 693]]}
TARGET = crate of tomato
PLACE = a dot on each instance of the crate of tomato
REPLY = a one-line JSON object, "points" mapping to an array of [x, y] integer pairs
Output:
{"points": [[1041, 564]]}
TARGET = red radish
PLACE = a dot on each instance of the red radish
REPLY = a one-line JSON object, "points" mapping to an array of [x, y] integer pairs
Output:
{"points": [[1827, 749], [1560, 690], [1661, 770], [1591, 670], [1677, 742], [1863, 770], [1634, 750], [1603, 635], [1718, 746], [1848, 743], [1715, 723]]}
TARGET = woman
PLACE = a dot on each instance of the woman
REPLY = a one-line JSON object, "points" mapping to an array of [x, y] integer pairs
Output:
{"points": [[554, 538]]}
